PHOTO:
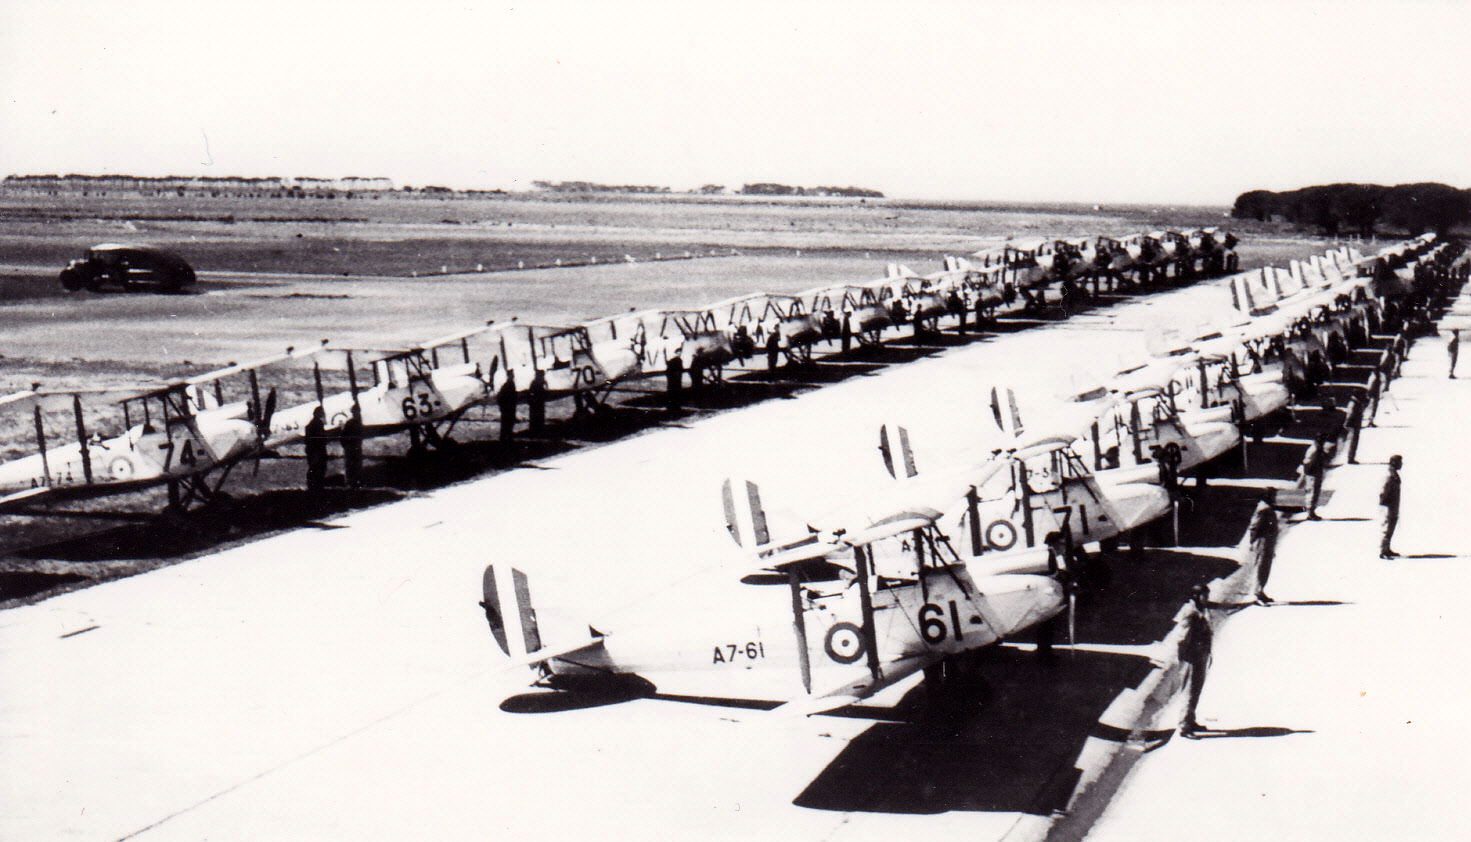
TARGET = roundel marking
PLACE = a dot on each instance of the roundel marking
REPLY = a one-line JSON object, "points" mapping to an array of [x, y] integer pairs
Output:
{"points": [[844, 643], [1001, 535], [121, 468]]}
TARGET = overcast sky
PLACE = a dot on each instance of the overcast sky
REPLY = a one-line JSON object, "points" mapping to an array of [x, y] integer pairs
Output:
{"points": [[1089, 102]]}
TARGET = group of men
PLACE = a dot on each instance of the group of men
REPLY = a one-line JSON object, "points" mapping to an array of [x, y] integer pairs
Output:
{"points": [[349, 438]]}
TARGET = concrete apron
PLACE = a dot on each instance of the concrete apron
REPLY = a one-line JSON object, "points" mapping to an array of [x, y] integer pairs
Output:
{"points": [[1144, 718]]}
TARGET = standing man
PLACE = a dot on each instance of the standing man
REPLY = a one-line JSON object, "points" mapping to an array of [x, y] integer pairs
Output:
{"points": [[773, 347], [1453, 350], [673, 382], [316, 450], [1373, 388], [697, 371], [1351, 424], [847, 331], [1195, 652], [536, 402], [351, 439], [505, 401], [1312, 473], [1389, 507], [1263, 532]]}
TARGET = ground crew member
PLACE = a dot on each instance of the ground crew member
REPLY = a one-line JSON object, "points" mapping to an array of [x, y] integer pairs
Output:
{"points": [[536, 402], [505, 401], [830, 327], [1195, 652], [773, 348], [697, 370], [1389, 506], [316, 450], [742, 344], [1352, 421], [1263, 532], [847, 330], [1453, 350], [1372, 390], [1312, 473], [957, 309], [351, 439], [673, 382]]}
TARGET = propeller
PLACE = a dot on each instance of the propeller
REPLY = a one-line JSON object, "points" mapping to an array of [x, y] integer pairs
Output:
{"points": [[263, 429]]}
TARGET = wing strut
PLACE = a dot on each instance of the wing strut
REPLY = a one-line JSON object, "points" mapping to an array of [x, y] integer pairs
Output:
{"points": [[82, 438], [865, 602], [317, 378], [41, 443], [352, 379], [799, 625]]}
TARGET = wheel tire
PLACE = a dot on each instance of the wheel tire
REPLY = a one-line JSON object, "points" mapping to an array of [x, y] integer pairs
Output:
{"points": [[71, 280]]}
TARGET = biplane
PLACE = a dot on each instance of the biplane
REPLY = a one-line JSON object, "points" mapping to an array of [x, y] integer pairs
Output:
{"points": [[392, 389], [844, 633], [570, 361], [163, 441], [860, 307], [758, 317]]}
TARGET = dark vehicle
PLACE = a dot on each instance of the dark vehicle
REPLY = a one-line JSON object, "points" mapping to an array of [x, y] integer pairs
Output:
{"points": [[129, 267]]}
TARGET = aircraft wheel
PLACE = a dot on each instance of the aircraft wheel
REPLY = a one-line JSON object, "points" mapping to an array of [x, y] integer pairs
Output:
{"points": [[71, 280]]}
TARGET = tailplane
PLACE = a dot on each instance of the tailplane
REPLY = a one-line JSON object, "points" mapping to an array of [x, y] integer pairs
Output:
{"points": [[896, 450], [1004, 410], [509, 611]]}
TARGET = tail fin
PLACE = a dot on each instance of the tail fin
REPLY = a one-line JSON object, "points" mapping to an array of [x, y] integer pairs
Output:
{"points": [[1008, 417], [508, 595], [898, 455], [744, 516]]}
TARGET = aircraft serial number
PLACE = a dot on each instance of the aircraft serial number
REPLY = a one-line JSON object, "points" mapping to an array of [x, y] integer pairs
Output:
{"points": [[726, 653]]}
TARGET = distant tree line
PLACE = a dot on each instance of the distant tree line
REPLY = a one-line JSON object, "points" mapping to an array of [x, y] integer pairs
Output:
{"points": [[1362, 208], [593, 187], [766, 188]]}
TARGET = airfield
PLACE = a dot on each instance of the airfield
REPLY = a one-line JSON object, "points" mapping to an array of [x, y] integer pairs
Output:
{"points": [[338, 680]]}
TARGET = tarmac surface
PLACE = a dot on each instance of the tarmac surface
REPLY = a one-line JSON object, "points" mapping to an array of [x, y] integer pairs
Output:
{"points": [[1339, 711], [339, 681]]}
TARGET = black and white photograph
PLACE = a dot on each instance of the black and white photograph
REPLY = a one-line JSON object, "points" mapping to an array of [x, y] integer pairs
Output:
{"points": [[811, 421]]}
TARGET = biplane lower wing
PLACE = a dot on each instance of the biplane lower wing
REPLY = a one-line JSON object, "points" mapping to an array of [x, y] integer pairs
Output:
{"points": [[860, 686]]}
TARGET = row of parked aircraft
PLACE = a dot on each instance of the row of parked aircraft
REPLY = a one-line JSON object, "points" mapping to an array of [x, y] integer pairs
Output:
{"points": [[984, 545], [190, 433]]}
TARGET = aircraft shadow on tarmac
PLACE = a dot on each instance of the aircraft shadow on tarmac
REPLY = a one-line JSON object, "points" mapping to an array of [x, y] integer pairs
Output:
{"points": [[1015, 754], [167, 536]]}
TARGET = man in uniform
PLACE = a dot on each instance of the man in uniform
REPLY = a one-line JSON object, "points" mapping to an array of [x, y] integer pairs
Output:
{"points": [[1195, 652], [1453, 350], [1263, 532], [1312, 473], [1352, 421], [505, 401], [1389, 507], [773, 347], [316, 450], [351, 439], [536, 402]]}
